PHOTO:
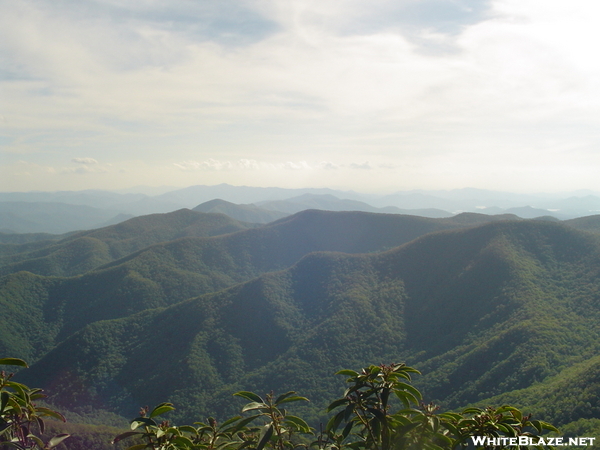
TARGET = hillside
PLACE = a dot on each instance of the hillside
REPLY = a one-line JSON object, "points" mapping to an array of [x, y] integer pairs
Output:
{"points": [[86, 250], [330, 202], [50, 217], [481, 311], [247, 213], [166, 273]]}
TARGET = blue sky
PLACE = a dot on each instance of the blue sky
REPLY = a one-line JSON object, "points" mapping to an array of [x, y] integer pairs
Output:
{"points": [[374, 96]]}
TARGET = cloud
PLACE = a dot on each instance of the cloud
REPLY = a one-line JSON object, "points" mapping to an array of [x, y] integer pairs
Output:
{"points": [[83, 170], [307, 81], [300, 165], [84, 160], [209, 164], [362, 166], [241, 164], [328, 165]]}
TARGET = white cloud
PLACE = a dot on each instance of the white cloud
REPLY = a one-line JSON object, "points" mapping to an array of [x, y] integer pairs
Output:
{"points": [[328, 165], [332, 81], [84, 160], [300, 165], [361, 166]]}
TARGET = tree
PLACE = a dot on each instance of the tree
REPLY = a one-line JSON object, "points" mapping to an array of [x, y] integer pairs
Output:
{"points": [[21, 420], [366, 418]]}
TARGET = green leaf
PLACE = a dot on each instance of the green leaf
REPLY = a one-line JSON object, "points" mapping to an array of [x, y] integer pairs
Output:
{"points": [[230, 421], [137, 447], [300, 424], [537, 425], [282, 396], [336, 403], [161, 409], [407, 398], [266, 433], [242, 423], [187, 429], [250, 396], [37, 440], [142, 421], [182, 440], [51, 413], [295, 398], [3, 401], [347, 372], [126, 435], [335, 421], [407, 387], [57, 439], [13, 362], [254, 405], [347, 429]]}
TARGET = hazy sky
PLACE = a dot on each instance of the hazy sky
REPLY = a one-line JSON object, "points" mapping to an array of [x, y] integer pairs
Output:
{"points": [[371, 95]]}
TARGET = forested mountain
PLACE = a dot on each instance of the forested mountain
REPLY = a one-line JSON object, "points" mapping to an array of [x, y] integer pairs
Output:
{"points": [[50, 217], [330, 202], [246, 213], [483, 305], [86, 250]]}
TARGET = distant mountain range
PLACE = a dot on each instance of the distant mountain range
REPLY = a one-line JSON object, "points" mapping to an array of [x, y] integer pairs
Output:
{"points": [[191, 306], [61, 212]]}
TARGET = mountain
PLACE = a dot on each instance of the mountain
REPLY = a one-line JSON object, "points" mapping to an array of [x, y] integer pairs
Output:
{"points": [[482, 311], [589, 223], [61, 211], [86, 250], [165, 273], [246, 213], [330, 202], [51, 217], [195, 195]]}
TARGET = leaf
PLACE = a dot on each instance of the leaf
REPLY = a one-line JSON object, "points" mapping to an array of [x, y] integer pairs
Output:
{"points": [[266, 433], [137, 447], [3, 401], [242, 423], [295, 398], [300, 424], [407, 387], [347, 429], [254, 405], [406, 398], [125, 435], [182, 440], [230, 421], [336, 403], [13, 362], [335, 421], [142, 421], [188, 429], [161, 409], [249, 396], [282, 396], [37, 440], [347, 372], [51, 413], [57, 439]]}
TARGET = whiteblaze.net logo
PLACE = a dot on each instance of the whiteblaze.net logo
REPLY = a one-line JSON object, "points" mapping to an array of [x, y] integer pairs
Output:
{"points": [[528, 440]]}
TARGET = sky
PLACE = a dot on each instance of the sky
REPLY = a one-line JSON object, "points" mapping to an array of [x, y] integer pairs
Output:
{"points": [[368, 95]]}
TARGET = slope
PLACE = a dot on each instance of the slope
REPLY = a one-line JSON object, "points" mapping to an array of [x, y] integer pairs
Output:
{"points": [[87, 250], [481, 311], [247, 213]]}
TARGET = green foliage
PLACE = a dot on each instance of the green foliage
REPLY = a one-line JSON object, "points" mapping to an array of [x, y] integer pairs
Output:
{"points": [[366, 419], [482, 311], [21, 420]]}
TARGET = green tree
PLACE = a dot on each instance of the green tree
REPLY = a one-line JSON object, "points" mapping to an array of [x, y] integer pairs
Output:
{"points": [[21, 420], [380, 410]]}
